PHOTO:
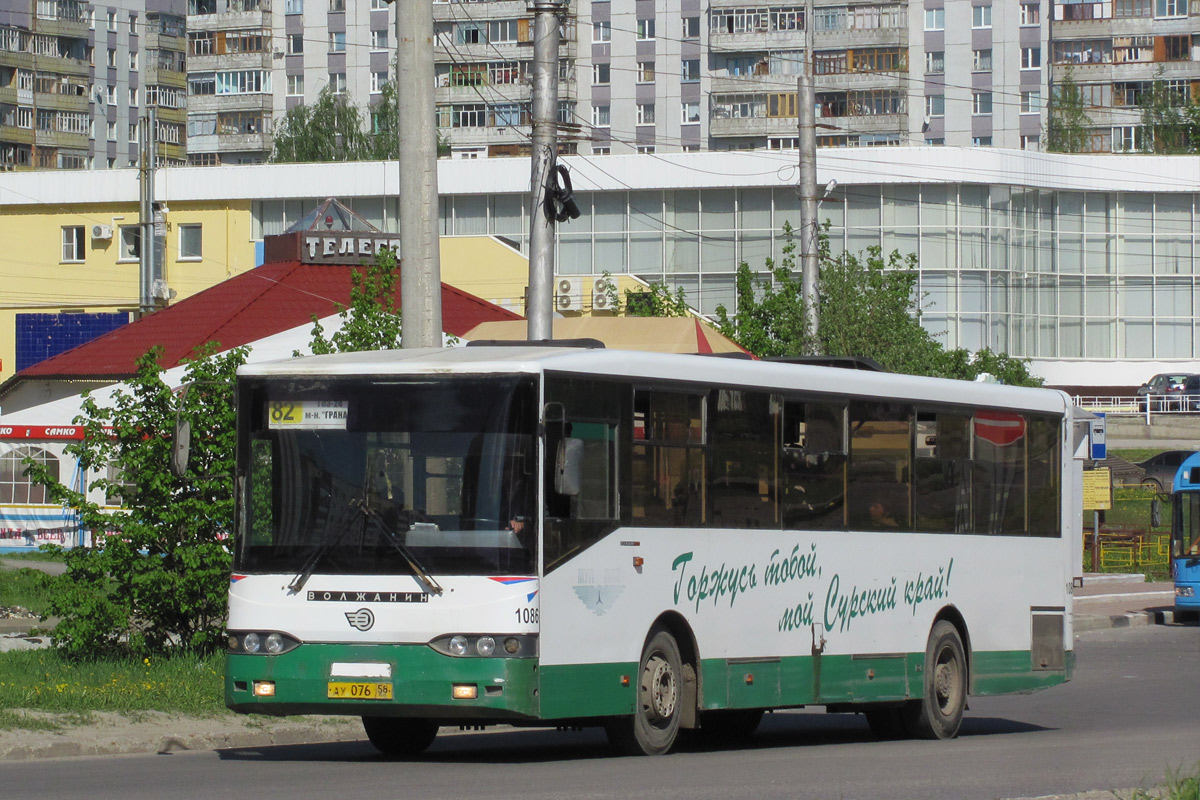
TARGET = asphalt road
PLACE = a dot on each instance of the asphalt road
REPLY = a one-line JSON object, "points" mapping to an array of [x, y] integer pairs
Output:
{"points": [[1131, 713]]}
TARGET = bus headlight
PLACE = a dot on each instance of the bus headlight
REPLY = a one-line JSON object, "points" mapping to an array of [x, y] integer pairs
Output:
{"points": [[1185, 591], [483, 645], [260, 642]]}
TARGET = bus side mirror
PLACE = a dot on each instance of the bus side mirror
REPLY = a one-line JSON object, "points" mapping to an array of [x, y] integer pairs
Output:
{"points": [[181, 447], [568, 467]]}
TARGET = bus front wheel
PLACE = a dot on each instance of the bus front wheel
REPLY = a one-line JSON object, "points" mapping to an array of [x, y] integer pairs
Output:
{"points": [[939, 712], [398, 736], [654, 726]]}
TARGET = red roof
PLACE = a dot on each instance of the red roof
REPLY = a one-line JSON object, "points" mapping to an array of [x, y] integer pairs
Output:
{"points": [[251, 306]]}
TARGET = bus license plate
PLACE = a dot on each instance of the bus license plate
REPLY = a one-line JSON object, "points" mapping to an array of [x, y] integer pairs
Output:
{"points": [[360, 691]]}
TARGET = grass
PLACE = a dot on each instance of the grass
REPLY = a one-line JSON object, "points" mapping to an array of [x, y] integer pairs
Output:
{"points": [[25, 587], [1179, 786], [37, 555], [42, 681]]}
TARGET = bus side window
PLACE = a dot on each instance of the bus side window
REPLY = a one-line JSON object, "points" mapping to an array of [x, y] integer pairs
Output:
{"points": [[595, 414], [813, 466], [880, 467], [744, 481], [943, 472], [668, 467]]}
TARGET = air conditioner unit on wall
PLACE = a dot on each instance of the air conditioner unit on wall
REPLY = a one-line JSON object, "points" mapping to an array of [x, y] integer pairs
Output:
{"points": [[568, 294], [102, 231], [603, 294]]}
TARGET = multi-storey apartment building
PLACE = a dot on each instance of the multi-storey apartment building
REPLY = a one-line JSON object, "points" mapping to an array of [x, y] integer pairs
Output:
{"points": [[1114, 51], [76, 78]]}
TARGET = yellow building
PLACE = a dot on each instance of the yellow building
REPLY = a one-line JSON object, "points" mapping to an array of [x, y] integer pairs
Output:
{"points": [[70, 267]]}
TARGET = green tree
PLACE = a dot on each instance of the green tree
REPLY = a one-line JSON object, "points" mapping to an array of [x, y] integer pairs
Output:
{"points": [[868, 307], [371, 321], [1067, 121], [156, 576], [657, 300], [331, 129], [1167, 119]]}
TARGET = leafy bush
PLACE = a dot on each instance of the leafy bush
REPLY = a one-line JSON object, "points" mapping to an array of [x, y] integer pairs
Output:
{"points": [[156, 576]]}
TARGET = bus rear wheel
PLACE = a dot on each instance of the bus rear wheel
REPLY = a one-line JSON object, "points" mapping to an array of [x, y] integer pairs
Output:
{"points": [[398, 736], [938, 714], [654, 726]]}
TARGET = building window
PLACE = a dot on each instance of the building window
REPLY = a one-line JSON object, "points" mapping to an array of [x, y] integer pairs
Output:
{"points": [[981, 60], [72, 243], [190, 248], [337, 42], [936, 142], [600, 117], [691, 27], [295, 43], [112, 20], [1031, 58], [645, 29], [337, 82], [935, 19], [691, 70], [981, 141], [112, 131], [1126, 139], [295, 85], [601, 74], [379, 39], [15, 484], [1177, 48], [602, 31], [1031, 14], [981, 17], [112, 57], [337, 5], [1031, 102], [133, 60], [981, 103], [1131, 8], [111, 95], [1170, 8], [935, 105], [133, 98], [645, 113], [293, 6], [133, 31], [645, 72], [601, 151], [935, 62], [378, 81], [1033, 142], [645, 149], [134, 134], [131, 243], [690, 111]]}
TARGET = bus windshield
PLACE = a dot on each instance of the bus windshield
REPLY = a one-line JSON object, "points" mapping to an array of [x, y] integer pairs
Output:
{"points": [[387, 477], [1186, 529]]}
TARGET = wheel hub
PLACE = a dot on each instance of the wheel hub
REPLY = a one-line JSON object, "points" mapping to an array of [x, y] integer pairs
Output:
{"points": [[660, 688]]}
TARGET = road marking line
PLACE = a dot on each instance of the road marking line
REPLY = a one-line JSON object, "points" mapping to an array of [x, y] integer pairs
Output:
{"points": [[1079, 598]]}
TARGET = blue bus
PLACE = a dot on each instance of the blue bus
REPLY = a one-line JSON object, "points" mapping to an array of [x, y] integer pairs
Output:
{"points": [[1185, 535]]}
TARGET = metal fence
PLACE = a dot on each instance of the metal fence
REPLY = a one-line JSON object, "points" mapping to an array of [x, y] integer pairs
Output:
{"points": [[1140, 405]]}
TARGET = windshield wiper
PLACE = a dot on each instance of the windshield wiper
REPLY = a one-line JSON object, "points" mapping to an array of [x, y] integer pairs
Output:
{"points": [[311, 564], [403, 549]]}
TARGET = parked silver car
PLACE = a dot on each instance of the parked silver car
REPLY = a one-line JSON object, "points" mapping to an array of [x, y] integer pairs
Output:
{"points": [[1158, 391], [1160, 469]]}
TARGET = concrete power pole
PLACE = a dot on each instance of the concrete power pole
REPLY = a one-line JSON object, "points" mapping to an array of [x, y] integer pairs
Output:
{"points": [[147, 159], [806, 102], [539, 301], [420, 265]]}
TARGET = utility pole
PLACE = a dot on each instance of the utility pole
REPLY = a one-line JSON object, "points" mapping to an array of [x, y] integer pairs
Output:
{"points": [[539, 300], [147, 158], [806, 102], [420, 264]]}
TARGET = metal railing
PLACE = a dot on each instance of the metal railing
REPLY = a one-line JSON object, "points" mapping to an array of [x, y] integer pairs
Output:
{"points": [[1143, 405]]}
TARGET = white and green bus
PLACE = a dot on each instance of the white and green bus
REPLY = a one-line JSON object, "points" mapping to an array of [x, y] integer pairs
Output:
{"points": [[570, 536]]}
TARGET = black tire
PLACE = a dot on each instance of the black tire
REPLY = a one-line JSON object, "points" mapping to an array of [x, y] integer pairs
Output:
{"points": [[731, 725], [1152, 484], [398, 736], [654, 726], [887, 723], [939, 712]]}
